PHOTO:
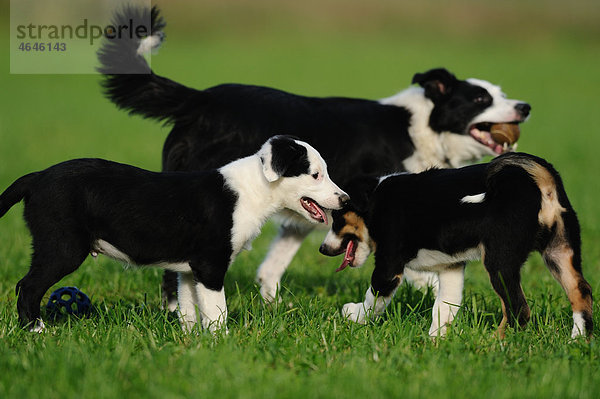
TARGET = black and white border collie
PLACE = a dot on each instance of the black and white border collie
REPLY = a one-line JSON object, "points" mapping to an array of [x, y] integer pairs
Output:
{"points": [[441, 122], [497, 212], [194, 223]]}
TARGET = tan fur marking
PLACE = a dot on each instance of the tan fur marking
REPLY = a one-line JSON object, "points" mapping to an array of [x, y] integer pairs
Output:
{"points": [[354, 225], [482, 250], [551, 209], [569, 278], [501, 331]]}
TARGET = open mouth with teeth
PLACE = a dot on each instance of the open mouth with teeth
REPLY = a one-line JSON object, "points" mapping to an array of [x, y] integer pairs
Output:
{"points": [[349, 256], [499, 137], [315, 211]]}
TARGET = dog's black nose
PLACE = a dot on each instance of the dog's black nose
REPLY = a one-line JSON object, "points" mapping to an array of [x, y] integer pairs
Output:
{"points": [[523, 109], [344, 198], [323, 249]]}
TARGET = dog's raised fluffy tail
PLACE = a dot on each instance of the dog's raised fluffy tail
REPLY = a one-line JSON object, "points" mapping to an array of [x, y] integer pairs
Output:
{"points": [[129, 81], [15, 192]]}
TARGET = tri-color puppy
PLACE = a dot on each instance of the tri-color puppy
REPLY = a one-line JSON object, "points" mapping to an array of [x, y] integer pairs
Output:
{"points": [[497, 212], [194, 223]]}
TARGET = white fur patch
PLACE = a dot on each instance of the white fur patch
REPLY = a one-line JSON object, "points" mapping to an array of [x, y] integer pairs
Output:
{"points": [[148, 44], [255, 201], [578, 325], [106, 248], [38, 327], [187, 298], [430, 260], [213, 309], [448, 301], [175, 267], [473, 199]]}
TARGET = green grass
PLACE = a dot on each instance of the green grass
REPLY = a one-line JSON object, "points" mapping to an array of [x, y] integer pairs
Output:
{"points": [[129, 347]]}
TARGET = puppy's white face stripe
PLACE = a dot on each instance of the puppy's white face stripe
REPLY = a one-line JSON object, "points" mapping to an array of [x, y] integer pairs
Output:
{"points": [[502, 108], [473, 199], [322, 190]]}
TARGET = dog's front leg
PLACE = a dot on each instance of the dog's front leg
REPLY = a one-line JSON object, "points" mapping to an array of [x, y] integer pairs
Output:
{"points": [[187, 299], [383, 287], [213, 308], [449, 298], [281, 253]]}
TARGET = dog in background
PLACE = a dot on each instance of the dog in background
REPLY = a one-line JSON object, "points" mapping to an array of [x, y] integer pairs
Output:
{"points": [[441, 122], [433, 221], [193, 223]]}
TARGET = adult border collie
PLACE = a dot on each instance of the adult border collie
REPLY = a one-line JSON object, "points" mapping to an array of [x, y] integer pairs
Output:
{"points": [[441, 123], [498, 212], [194, 223]]}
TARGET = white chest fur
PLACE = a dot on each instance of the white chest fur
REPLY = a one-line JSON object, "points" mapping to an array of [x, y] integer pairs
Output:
{"points": [[254, 203]]}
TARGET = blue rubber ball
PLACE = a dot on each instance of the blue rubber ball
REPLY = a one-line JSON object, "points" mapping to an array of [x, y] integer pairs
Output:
{"points": [[68, 300]]}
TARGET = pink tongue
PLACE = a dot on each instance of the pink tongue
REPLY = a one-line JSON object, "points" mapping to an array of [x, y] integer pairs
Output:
{"points": [[348, 257], [318, 210]]}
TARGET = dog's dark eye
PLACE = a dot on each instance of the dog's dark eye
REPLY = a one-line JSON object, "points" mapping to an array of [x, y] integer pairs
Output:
{"points": [[315, 175], [482, 100]]}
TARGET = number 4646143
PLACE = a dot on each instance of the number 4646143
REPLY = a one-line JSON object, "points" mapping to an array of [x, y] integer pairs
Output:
{"points": [[43, 46]]}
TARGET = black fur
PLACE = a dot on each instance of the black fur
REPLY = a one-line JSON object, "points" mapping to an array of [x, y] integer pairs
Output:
{"points": [[289, 158]]}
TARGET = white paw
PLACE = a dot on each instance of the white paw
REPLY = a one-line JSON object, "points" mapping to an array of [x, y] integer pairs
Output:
{"points": [[435, 331], [187, 326], [577, 332], [355, 312], [38, 327], [172, 305], [215, 327], [578, 325], [268, 291]]}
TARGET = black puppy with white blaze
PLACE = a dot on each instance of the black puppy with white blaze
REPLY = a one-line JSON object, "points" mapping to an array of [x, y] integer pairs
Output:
{"points": [[498, 212], [441, 121], [194, 223]]}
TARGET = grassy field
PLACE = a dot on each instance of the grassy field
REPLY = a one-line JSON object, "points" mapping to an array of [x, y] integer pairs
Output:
{"points": [[539, 51]]}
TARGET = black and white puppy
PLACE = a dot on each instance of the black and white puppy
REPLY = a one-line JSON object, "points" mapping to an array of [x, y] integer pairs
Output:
{"points": [[498, 212], [442, 122], [194, 223]]}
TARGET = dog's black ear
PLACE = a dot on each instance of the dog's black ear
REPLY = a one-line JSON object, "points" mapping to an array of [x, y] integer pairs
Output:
{"points": [[283, 156], [437, 83], [360, 190]]}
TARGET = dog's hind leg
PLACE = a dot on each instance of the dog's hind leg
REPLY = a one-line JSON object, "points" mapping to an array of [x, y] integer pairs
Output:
{"points": [[50, 262], [506, 280], [563, 258], [280, 255], [169, 288], [449, 298]]}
